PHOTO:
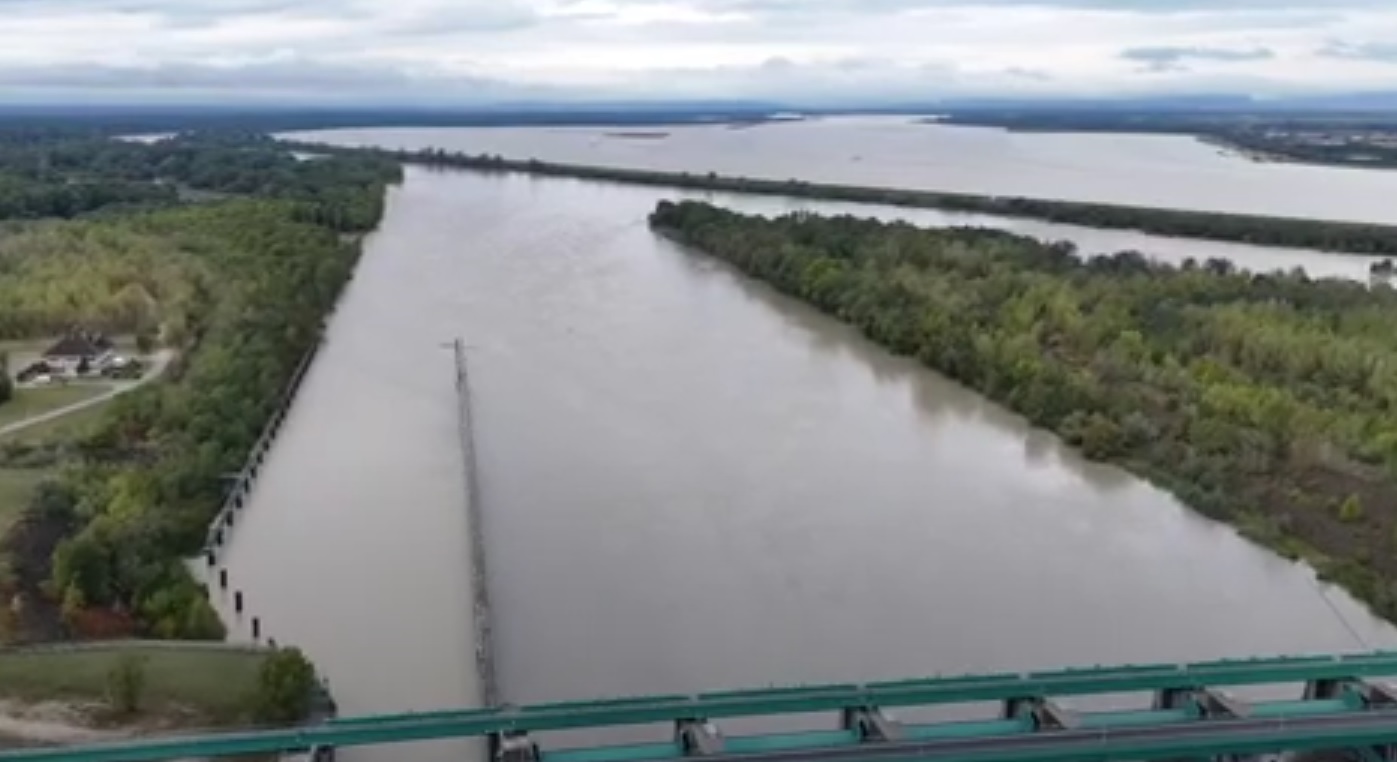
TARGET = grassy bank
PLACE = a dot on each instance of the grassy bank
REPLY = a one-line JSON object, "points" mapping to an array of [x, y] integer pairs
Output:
{"points": [[1346, 237], [71, 427], [1263, 401], [216, 685]]}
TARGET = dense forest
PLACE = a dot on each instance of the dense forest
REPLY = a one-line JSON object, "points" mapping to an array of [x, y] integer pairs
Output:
{"points": [[237, 286], [24, 198], [64, 174], [1265, 399], [1352, 237]]}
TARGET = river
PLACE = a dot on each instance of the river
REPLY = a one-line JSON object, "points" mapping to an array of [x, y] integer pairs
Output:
{"points": [[690, 483], [1149, 170]]}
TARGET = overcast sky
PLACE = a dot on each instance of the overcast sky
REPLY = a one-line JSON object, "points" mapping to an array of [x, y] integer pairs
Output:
{"points": [[491, 50]]}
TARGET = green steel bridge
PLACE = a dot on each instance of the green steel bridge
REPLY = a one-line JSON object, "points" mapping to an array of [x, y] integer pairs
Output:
{"points": [[1340, 703]]}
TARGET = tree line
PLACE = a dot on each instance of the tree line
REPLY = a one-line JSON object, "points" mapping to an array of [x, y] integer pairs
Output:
{"points": [[1333, 138], [1263, 399], [1350, 237], [63, 173], [239, 287]]}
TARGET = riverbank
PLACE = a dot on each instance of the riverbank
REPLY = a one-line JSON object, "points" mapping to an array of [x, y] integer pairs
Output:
{"points": [[1322, 235], [1250, 154], [1206, 401], [64, 693], [1353, 141]]}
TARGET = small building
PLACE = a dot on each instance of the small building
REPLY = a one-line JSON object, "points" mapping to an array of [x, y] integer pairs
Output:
{"points": [[79, 350]]}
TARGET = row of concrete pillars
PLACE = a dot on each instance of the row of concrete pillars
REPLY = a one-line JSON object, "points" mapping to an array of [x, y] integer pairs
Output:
{"points": [[255, 623]]}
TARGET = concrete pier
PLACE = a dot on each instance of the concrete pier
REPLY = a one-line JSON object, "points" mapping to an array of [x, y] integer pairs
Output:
{"points": [[480, 589]]}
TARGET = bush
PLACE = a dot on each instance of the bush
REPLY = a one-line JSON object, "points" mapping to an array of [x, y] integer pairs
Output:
{"points": [[285, 685], [1351, 509], [126, 684]]}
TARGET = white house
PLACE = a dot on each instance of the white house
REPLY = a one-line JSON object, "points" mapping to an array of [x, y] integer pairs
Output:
{"points": [[70, 351]]}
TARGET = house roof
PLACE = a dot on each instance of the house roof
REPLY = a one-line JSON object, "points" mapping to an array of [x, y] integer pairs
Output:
{"points": [[78, 345]]}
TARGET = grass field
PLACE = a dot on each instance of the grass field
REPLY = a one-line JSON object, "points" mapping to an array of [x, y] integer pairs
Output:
{"points": [[63, 428], [214, 682], [27, 403]]}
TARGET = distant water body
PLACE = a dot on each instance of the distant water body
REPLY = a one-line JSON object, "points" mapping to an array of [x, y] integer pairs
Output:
{"points": [[1150, 170]]}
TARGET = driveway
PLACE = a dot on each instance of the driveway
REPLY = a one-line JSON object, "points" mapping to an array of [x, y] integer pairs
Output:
{"points": [[159, 362]]}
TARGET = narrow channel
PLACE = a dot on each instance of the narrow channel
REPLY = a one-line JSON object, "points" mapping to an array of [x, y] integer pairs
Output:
{"points": [[692, 483], [354, 545]]}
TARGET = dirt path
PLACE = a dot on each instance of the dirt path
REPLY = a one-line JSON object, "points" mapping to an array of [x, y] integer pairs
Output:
{"points": [[50, 722]]}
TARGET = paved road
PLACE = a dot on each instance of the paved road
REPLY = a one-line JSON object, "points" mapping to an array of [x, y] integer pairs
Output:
{"points": [[160, 362]]}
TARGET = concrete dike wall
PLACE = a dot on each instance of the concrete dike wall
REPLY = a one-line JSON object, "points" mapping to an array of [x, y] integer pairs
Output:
{"points": [[221, 532], [475, 528], [239, 495]]}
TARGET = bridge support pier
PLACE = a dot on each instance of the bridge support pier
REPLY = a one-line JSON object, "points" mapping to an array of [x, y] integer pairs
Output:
{"points": [[1217, 705], [1317, 690], [1172, 698], [513, 747], [698, 737], [871, 724], [1045, 713], [1209, 703]]}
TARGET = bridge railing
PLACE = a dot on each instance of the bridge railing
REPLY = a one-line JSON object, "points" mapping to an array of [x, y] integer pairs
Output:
{"points": [[1194, 719]]}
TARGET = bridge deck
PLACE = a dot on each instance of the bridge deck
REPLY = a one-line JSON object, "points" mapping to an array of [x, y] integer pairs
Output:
{"points": [[922, 692]]}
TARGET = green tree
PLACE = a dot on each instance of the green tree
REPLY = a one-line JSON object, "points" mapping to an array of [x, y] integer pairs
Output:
{"points": [[145, 340], [285, 686], [74, 602]]}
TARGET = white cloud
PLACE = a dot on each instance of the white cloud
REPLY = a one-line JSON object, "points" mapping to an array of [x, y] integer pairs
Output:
{"points": [[460, 50]]}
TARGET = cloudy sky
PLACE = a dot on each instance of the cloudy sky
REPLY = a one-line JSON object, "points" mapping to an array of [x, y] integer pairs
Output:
{"points": [[441, 51]]}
